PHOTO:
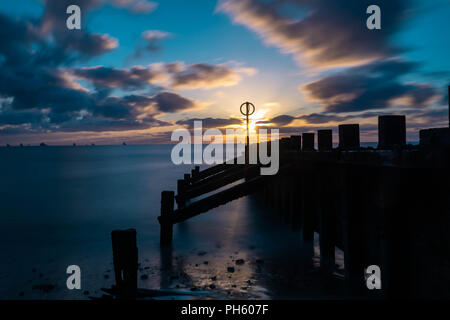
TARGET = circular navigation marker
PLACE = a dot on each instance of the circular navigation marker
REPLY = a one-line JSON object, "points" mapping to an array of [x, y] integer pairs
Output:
{"points": [[248, 106]]}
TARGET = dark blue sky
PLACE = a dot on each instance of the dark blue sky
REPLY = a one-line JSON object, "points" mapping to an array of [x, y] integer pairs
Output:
{"points": [[139, 69]]}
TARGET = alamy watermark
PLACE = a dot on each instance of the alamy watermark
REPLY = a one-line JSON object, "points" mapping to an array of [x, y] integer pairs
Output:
{"points": [[190, 149], [373, 277]]}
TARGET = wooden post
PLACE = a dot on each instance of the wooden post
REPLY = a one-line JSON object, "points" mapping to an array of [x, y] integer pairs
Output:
{"points": [[181, 189], [307, 206], [125, 259], [187, 179], [298, 198], [352, 206], [325, 140], [327, 218], [349, 136], [195, 172], [166, 233]]}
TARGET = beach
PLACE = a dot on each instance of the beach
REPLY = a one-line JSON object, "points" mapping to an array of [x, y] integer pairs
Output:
{"points": [[60, 204]]}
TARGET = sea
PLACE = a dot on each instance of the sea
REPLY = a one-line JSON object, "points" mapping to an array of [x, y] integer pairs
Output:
{"points": [[59, 204]]}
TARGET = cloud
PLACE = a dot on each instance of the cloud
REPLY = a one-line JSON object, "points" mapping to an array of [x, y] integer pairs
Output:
{"points": [[85, 44], [151, 42], [373, 86], [133, 78], [281, 120], [136, 6], [321, 33], [153, 39], [173, 102], [206, 76], [210, 122], [175, 75]]}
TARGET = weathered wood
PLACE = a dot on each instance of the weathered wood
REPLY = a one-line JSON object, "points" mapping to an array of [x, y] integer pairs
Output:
{"points": [[214, 183], [215, 200], [327, 217], [125, 259], [194, 173], [187, 179], [167, 203], [308, 205], [181, 190], [352, 211]]}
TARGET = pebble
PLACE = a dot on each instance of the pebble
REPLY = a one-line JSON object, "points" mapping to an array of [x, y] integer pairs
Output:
{"points": [[240, 262]]}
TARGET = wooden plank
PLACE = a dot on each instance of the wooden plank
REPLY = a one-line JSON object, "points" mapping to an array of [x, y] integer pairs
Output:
{"points": [[215, 182], [215, 200]]}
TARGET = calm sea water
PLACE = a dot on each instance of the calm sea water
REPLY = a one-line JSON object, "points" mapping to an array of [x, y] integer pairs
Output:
{"points": [[58, 206]]}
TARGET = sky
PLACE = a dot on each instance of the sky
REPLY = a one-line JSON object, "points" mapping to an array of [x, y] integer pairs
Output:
{"points": [[139, 69]]}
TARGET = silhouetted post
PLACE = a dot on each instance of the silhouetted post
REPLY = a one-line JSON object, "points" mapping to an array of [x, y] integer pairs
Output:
{"points": [[247, 111], [291, 190], [284, 144], [308, 141], [181, 189], [352, 191], [298, 196], [391, 131], [296, 143], [194, 173], [166, 234], [308, 206], [187, 179], [125, 259], [327, 217], [325, 140], [349, 136]]}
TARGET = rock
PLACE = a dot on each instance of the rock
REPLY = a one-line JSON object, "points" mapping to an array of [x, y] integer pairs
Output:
{"points": [[205, 262], [244, 288], [144, 277], [201, 253], [214, 278], [233, 286], [249, 282], [193, 289], [196, 264], [240, 262], [230, 269], [212, 286]]}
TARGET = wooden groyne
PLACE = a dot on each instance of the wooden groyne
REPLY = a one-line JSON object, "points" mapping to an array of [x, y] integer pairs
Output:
{"points": [[387, 206]]}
